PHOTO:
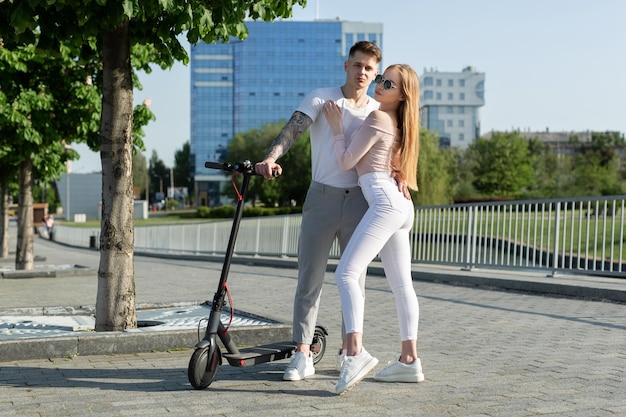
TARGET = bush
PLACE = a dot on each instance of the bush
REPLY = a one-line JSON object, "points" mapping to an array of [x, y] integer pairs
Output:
{"points": [[172, 204], [222, 212], [203, 212], [228, 212]]}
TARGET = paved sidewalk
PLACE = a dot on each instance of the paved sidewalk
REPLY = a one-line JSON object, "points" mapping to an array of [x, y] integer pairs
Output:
{"points": [[485, 352]]}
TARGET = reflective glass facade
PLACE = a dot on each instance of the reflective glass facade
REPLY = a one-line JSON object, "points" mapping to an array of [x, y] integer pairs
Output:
{"points": [[242, 85]]}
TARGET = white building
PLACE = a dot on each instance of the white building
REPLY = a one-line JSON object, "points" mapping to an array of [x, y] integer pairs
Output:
{"points": [[450, 105]]}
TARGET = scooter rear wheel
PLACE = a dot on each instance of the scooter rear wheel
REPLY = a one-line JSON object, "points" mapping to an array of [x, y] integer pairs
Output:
{"points": [[318, 347], [203, 366]]}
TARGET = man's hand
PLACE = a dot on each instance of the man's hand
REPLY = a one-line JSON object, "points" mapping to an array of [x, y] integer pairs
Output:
{"points": [[268, 169]]}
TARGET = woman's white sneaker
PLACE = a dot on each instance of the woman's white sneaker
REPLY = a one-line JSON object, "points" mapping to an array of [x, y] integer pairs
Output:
{"points": [[397, 371], [341, 356], [354, 369]]}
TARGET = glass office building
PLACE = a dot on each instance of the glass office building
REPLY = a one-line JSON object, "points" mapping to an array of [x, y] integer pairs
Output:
{"points": [[243, 85]]}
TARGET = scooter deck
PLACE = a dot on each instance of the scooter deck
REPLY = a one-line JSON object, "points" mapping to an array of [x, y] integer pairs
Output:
{"points": [[260, 354]]}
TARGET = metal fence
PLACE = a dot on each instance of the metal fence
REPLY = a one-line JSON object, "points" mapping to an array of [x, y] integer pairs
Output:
{"points": [[575, 235]]}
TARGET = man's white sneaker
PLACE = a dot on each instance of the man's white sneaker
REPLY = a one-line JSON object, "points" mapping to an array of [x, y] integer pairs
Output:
{"points": [[299, 368], [354, 370], [397, 371], [341, 356]]}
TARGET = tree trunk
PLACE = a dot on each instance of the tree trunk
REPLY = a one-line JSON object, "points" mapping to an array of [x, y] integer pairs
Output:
{"points": [[24, 258], [115, 305], [4, 213]]}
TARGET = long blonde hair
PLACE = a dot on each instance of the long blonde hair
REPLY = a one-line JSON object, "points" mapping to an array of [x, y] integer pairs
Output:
{"points": [[408, 123]]}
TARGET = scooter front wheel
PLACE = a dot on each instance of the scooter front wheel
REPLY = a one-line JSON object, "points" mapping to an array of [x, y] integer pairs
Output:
{"points": [[203, 366]]}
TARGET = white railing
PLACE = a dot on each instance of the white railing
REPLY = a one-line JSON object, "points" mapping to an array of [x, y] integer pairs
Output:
{"points": [[575, 235], [579, 234]]}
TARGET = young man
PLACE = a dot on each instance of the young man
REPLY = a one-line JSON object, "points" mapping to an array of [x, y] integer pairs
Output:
{"points": [[334, 204]]}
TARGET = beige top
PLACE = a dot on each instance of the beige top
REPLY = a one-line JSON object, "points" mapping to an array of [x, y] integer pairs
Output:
{"points": [[370, 147]]}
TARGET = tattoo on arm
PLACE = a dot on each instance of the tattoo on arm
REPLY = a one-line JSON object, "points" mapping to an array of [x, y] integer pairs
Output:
{"points": [[297, 124]]}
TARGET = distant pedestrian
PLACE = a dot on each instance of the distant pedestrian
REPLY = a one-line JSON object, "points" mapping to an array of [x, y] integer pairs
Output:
{"points": [[49, 227]]}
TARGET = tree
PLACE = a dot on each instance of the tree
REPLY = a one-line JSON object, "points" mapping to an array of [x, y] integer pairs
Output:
{"points": [[435, 171], [296, 165], [296, 171], [597, 167], [118, 26], [159, 174], [5, 172], [502, 165], [140, 173], [45, 102], [182, 168], [602, 147]]}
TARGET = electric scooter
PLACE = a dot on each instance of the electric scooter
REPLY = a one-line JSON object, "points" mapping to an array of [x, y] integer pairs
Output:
{"points": [[207, 356]]}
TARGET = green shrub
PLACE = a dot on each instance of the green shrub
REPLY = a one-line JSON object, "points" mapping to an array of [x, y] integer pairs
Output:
{"points": [[203, 212], [228, 212], [172, 204], [222, 212]]}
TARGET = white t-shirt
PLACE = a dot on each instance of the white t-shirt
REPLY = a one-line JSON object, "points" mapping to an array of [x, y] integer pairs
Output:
{"points": [[325, 168]]}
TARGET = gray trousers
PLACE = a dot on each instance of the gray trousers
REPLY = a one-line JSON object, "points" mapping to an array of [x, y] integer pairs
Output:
{"points": [[328, 213]]}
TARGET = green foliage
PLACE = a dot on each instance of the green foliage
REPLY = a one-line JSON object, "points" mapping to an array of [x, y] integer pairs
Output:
{"points": [[172, 204], [270, 211], [502, 165], [142, 115], [45, 192], [296, 164], [182, 168], [296, 177], [593, 175], [155, 24], [228, 212], [140, 173], [463, 182], [597, 167], [45, 103], [203, 212], [220, 212], [159, 174], [601, 149], [435, 171], [594, 168]]}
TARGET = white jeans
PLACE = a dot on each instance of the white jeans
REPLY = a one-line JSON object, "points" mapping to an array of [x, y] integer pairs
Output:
{"points": [[384, 229]]}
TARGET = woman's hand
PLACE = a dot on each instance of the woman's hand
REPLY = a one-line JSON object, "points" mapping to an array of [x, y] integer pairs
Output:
{"points": [[334, 116], [402, 187]]}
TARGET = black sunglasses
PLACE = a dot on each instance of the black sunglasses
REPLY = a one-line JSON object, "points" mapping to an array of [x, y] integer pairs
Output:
{"points": [[387, 84]]}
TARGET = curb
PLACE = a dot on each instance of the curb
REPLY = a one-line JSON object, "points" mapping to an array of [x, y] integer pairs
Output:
{"points": [[558, 289], [615, 291], [131, 341], [47, 273]]}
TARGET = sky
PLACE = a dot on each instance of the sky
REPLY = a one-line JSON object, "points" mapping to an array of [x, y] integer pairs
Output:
{"points": [[548, 64]]}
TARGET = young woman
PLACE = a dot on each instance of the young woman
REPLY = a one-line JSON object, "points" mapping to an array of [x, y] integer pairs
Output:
{"points": [[384, 150]]}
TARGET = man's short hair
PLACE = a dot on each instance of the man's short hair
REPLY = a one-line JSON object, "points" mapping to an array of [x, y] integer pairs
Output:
{"points": [[368, 48]]}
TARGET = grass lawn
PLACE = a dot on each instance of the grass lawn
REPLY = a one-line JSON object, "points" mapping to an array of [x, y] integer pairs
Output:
{"points": [[154, 219]]}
